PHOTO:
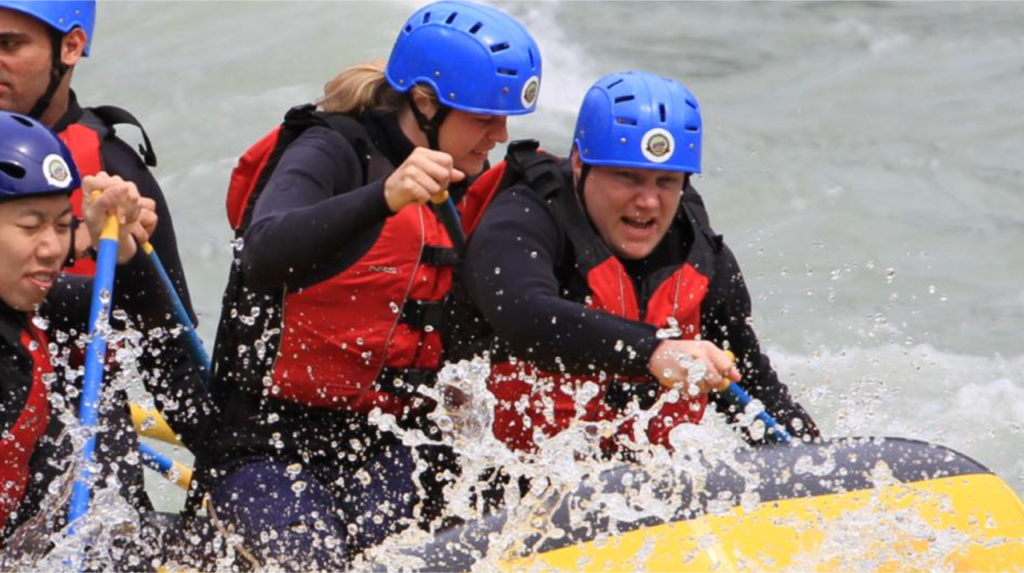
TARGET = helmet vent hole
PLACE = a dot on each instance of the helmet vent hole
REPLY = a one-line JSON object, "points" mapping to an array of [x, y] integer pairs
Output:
{"points": [[12, 170], [476, 27], [408, 29], [21, 120], [451, 18], [625, 121], [613, 84], [507, 72], [624, 98], [499, 47], [532, 62], [426, 18], [661, 112]]}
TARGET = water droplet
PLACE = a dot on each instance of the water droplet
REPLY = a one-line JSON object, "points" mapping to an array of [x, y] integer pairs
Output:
{"points": [[670, 331], [40, 322], [299, 486], [293, 469], [394, 308]]}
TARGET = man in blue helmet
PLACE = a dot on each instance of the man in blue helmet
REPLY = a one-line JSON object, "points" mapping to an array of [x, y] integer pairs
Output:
{"points": [[41, 43], [618, 279], [40, 305], [334, 304]]}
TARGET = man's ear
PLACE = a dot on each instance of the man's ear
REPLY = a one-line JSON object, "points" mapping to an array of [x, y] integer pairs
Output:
{"points": [[73, 46], [577, 165]]}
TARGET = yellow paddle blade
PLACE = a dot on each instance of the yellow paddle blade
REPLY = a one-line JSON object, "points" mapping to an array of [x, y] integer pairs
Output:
{"points": [[151, 424]]}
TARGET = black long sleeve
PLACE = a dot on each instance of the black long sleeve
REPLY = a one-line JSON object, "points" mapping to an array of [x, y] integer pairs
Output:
{"points": [[510, 274], [314, 218]]}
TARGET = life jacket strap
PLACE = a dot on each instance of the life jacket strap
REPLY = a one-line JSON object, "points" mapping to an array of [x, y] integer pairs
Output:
{"points": [[420, 314], [439, 256], [103, 119]]}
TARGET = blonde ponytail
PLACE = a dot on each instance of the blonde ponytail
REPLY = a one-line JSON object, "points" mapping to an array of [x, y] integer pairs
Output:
{"points": [[361, 88]]}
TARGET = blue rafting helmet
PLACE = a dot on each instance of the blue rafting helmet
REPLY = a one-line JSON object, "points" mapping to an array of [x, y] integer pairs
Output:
{"points": [[639, 119], [33, 161], [63, 15], [476, 58]]}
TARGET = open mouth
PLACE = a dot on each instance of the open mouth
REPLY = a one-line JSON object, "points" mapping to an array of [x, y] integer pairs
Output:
{"points": [[43, 279], [638, 223]]}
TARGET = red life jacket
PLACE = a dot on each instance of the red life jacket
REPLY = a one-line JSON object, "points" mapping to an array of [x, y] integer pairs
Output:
{"points": [[19, 442], [530, 399], [367, 336], [85, 140], [340, 334]]}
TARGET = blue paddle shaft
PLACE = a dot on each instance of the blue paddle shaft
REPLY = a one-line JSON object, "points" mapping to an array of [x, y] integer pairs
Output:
{"points": [[154, 460], [449, 216], [95, 356], [739, 397], [195, 344]]}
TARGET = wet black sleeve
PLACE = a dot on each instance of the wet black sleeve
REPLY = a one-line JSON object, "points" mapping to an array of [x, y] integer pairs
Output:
{"points": [[725, 321], [138, 290], [511, 273], [120, 159], [15, 378], [314, 210], [170, 373]]}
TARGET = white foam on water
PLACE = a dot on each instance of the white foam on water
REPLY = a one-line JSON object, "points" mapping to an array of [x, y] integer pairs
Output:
{"points": [[972, 404]]}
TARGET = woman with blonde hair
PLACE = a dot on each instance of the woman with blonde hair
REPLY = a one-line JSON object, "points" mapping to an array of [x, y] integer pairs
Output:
{"points": [[334, 303]]}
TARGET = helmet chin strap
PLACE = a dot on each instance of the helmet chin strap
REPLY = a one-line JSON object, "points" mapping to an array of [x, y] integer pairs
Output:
{"points": [[584, 171], [430, 127], [57, 70]]}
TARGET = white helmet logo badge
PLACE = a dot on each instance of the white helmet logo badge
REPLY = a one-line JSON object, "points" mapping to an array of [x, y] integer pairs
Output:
{"points": [[56, 171], [530, 90], [658, 145]]}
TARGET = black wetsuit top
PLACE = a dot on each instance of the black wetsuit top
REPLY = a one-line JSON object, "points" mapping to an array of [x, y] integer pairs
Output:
{"points": [[519, 280]]}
